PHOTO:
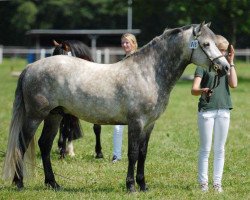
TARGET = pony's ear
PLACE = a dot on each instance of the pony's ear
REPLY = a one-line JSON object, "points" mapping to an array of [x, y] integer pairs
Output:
{"points": [[197, 29], [55, 43], [208, 24]]}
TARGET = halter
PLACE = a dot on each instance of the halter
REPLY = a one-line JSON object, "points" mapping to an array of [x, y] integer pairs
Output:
{"points": [[212, 60], [215, 66]]}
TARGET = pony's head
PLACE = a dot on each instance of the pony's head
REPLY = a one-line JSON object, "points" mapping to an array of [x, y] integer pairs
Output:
{"points": [[59, 49], [73, 48], [203, 49]]}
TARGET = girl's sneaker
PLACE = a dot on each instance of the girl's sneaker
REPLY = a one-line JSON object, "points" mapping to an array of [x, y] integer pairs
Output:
{"points": [[204, 187], [115, 159], [218, 188]]}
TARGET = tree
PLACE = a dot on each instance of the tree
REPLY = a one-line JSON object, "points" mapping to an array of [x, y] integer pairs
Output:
{"points": [[229, 17], [25, 16]]}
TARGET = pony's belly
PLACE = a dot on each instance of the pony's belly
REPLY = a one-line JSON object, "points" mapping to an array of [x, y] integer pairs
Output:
{"points": [[102, 120], [100, 115]]}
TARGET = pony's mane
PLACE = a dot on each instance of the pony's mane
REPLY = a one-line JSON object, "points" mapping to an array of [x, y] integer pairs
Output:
{"points": [[170, 32], [167, 33]]}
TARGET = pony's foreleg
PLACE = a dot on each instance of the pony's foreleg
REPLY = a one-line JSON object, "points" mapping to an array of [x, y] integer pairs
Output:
{"points": [[69, 136], [60, 138], [51, 124], [98, 147], [63, 136], [72, 132], [134, 132], [70, 148], [140, 178]]}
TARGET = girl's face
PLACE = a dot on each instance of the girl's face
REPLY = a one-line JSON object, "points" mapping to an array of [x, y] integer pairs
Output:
{"points": [[223, 49], [127, 46]]}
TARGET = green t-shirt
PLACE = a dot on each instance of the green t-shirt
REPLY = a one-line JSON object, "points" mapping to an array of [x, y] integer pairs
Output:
{"points": [[220, 98]]}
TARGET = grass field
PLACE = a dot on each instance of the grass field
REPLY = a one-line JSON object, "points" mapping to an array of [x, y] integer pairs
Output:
{"points": [[171, 166]]}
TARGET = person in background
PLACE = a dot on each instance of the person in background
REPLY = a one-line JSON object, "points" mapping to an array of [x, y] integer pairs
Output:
{"points": [[214, 116], [129, 45]]}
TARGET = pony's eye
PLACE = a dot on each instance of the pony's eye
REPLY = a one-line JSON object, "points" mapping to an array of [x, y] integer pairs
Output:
{"points": [[206, 44]]}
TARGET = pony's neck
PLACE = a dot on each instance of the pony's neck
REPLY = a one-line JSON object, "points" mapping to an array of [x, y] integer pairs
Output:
{"points": [[172, 59], [167, 54]]}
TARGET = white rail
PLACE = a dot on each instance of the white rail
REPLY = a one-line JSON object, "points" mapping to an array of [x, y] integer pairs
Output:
{"points": [[102, 55]]}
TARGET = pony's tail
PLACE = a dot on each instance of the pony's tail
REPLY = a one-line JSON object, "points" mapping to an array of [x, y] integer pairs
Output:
{"points": [[13, 158]]}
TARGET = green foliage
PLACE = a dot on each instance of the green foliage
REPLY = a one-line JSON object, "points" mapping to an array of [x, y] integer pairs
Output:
{"points": [[171, 165], [25, 16], [229, 17]]}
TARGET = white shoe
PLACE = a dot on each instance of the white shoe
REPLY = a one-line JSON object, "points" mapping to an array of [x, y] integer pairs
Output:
{"points": [[115, 159], [218, 188], [204, 187]]}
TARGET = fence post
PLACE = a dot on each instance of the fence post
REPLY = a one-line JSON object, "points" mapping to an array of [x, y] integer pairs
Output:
{"points": [[99, 56], [106, 56], [1, 54], [42, 53], [247, 55]]}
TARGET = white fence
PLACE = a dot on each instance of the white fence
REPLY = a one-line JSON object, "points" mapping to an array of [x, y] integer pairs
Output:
{"points": [[102, 55]]}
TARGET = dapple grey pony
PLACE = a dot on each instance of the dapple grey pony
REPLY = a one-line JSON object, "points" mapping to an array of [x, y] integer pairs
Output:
{"points": [[134, 91]]}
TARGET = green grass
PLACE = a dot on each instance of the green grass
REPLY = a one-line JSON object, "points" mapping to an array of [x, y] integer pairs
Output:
{"points": [[171, 166]]}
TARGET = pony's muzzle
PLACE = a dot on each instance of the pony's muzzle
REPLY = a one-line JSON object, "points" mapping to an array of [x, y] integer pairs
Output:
{"points": [[223, 69], [226, 68]]}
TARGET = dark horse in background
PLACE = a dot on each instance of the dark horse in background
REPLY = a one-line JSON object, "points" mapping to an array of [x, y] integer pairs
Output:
{"points": [[134, 91], [70, 128]]}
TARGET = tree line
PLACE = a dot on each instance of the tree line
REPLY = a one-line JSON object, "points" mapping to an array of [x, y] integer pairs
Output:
{"points": [[230, 18]]}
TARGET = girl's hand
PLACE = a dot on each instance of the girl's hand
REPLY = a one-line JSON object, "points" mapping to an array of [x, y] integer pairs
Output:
{"points": [[230, 56], [207, 91]]}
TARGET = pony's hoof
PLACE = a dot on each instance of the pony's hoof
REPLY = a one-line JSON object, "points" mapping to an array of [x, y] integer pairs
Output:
{"points": [[53, 185], [99, 155], [140, 180], [62, 156], [71, 154], [131, 189], [19, 185], [143, 188]]}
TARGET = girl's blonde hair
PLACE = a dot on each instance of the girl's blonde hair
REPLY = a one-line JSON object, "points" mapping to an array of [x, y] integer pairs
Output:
{"points": [[222, 42], [132, 39]]}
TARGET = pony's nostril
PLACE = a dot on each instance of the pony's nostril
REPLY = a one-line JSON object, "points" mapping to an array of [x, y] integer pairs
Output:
{"points": [[226, 68]]}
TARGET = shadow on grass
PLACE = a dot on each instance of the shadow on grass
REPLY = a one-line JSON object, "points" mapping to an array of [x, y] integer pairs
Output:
{"points": [[41, 188]]}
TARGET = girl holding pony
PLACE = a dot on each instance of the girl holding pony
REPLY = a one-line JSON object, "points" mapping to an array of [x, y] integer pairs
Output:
{"points": [[214, 115]]}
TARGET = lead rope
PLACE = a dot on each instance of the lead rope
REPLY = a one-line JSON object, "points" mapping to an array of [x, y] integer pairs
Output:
{"points": [[215, 85]]}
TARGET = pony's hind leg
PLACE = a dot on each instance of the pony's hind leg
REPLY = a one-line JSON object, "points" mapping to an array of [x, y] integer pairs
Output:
{"points": [[51, 124], [25, 139], [98, 147], [143, 146]]}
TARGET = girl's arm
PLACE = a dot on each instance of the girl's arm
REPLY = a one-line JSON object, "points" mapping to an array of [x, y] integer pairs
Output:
{"points": [[232, 77], [196, 90]]}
